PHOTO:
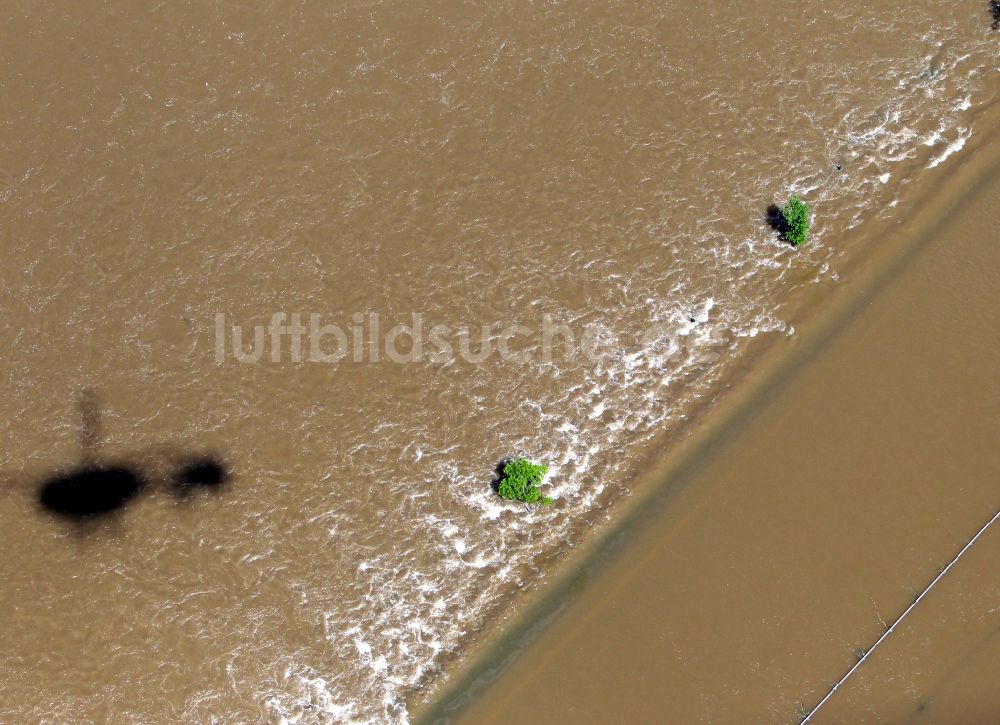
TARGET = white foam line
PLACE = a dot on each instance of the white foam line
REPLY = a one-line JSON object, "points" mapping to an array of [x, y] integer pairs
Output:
{"points": [[954, 147], [899, 619]]}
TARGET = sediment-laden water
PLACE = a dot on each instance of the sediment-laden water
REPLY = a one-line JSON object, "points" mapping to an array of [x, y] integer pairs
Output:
{"points": [[602, 167]]}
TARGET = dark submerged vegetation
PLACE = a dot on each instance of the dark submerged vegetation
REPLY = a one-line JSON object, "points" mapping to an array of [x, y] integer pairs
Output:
{"points": [[519, 481]]}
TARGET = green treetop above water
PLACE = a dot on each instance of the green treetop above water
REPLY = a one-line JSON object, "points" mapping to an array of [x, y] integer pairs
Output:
{"points": [[795, 221], [520, 481]]}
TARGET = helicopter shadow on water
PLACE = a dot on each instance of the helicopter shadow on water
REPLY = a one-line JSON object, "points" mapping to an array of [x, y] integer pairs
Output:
{"points": [[99, 486]]}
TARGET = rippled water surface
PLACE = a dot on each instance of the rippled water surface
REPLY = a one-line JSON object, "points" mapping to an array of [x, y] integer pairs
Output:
{"points": [[604, 164]]}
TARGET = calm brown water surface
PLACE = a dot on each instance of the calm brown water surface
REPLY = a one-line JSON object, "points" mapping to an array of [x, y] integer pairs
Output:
{"points": [[605, 164]]}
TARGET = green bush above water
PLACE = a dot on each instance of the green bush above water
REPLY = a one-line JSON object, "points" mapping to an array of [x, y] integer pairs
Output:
{"points": [[520, 479], [795, 221]]}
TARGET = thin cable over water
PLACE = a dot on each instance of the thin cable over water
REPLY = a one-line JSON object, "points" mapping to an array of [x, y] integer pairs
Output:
{"points": [[899, 619]]}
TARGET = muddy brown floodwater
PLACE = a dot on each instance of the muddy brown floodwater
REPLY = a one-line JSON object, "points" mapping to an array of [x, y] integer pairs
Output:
{"points": [[767, 566], [208, 516]]}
